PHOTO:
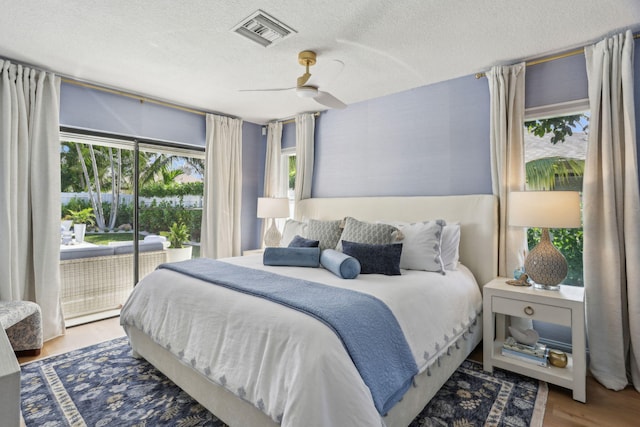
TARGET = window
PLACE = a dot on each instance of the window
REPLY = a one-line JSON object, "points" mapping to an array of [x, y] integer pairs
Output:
{"points": [[289, 174], [555, 151]]}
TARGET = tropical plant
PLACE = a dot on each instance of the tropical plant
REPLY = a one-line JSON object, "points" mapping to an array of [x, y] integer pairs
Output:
{"points": [[292, 171], [546, 173], [178, 235], [84, 216], [560, 127]]}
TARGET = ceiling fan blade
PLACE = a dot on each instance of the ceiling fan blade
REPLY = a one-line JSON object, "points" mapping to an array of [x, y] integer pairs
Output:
{"points": [[266, 90], [325, 73], [329, 100]]}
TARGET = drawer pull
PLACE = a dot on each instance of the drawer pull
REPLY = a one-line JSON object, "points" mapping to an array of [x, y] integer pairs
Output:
{"points": [[528, 310]]}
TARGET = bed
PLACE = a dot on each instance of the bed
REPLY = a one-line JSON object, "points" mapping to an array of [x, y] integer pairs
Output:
{"points": [[279, 377]]}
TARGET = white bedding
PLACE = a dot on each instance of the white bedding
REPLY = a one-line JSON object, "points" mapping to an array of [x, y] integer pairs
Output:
{"points": [[287, 364]]}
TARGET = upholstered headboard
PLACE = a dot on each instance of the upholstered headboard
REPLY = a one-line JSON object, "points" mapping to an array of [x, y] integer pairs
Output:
{"points": [[477, 215]]}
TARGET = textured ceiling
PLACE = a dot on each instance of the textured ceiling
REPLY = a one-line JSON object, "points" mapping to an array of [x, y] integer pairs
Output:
{"points": [[184, 51]]}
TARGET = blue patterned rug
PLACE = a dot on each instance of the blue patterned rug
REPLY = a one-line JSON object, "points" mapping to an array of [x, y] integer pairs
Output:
{"points": [[103, 385]]}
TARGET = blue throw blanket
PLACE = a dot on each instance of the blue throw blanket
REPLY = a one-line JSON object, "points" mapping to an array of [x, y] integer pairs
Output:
{"points": [[367, 327]]}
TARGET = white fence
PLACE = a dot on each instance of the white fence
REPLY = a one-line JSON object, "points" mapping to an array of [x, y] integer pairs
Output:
{"points": [[188, 201]]}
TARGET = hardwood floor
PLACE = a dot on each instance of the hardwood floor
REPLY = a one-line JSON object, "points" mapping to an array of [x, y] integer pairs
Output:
{"points": [[603, 408]]}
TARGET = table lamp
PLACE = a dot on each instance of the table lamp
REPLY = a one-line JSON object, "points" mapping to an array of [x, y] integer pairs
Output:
{"points": [[273, 207], [545, 265]]}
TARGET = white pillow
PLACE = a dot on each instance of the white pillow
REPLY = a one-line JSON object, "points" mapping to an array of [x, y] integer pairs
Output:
{"points": [[421, 246], [450, 246], [292, 228]]}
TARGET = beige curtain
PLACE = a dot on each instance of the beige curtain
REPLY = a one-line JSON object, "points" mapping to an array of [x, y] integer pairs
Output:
{"points": [[222, 201], [612, 216], [30, 191], [305, 129], [506, 88]]}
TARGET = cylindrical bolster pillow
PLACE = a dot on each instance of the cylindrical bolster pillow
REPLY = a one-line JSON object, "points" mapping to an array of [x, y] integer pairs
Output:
{"points": [[293, 257], [342, 265]]}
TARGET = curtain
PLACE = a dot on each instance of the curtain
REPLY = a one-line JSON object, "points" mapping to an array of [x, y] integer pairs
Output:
{"points": [[30, 191], [506, 89], [220, 233], [274, 184], [611, 209], [305, 128]]}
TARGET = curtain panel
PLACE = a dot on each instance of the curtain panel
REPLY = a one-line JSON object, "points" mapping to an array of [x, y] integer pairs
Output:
{"points": [[222, 201], [30, 191], [506, 88], [611, 209], [305, 130]]}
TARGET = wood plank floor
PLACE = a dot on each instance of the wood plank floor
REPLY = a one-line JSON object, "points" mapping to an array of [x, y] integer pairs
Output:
{"points": [[603, 408]]}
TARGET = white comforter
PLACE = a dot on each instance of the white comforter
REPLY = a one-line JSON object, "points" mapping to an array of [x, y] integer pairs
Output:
{"points": [[289, 365]]}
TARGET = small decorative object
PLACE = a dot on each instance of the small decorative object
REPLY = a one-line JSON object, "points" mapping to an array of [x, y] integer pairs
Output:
{"points": [[518, 272], [528, 337], [273, 207], [545, 265], [558, 358], [523, 280]]}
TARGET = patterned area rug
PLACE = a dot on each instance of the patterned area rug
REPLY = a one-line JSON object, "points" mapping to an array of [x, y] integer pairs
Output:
{"points": [[103, 385]]}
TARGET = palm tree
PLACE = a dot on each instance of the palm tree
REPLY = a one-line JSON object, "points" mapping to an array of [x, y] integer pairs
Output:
{"points": [[546, 173]]}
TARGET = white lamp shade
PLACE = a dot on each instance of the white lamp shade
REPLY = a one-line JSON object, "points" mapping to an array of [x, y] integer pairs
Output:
{"points": [[547, 209], [273, 207]]}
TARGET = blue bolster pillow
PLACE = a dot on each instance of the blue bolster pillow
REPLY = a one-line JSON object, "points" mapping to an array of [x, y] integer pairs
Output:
{"points": [[293, 257], [340, 264]]}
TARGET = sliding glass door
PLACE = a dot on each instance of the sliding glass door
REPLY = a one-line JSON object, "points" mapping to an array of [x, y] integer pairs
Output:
{"points": [[101, 255]]}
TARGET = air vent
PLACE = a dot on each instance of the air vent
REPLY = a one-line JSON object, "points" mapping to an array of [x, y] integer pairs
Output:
{"points": [[263, 29]]}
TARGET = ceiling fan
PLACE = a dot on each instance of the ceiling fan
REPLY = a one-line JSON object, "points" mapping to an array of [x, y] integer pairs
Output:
{"points": [[305, 86]]}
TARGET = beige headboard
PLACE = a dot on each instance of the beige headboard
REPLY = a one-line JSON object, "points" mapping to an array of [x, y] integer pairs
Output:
{"points": [[477, 215]]}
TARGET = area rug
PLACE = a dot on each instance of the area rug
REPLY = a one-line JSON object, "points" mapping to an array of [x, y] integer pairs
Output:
{"points": [[103, 385]]}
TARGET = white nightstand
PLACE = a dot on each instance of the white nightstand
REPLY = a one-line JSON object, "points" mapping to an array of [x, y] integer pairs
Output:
{"points": [[563, 307]]}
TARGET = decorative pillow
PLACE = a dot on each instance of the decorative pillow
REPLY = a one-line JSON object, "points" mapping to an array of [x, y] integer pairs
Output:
{"points": [[340, 264], [293, 257], [301, 242], [450, 250], [375, 259], [326, 232], [291, 229], [367, 232], [422, 246]]}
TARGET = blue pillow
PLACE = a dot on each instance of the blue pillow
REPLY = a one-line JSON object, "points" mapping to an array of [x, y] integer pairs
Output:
{"points": [[293, 257], [375, 259], [340, 264], [301, 242]]}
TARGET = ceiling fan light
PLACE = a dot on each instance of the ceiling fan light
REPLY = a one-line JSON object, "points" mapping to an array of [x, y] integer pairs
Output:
{"points": [[307, 91]]}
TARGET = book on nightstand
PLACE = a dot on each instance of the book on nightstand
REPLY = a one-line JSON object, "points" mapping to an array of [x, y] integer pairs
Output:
{"points": [[535, 354]]}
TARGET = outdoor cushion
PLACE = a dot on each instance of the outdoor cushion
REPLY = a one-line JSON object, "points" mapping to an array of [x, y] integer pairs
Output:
{"points": [[76, 253]]}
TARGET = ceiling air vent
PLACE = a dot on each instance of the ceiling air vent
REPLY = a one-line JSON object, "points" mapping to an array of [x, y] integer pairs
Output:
{"points": [[263, 29]]}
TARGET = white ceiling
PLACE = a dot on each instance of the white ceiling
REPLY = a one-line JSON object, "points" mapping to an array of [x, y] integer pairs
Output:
{"points": [[183, 51]]}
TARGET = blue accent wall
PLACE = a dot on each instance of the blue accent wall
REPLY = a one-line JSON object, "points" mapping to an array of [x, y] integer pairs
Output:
{"points": [[433, 140], [254, 151]]}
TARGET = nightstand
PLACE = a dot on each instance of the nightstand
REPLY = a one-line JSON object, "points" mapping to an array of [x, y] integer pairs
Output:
{"points": [[252, 252], [564, 307]]}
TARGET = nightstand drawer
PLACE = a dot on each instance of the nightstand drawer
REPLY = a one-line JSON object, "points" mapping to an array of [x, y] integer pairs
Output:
{"points": [[530, 310]]}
